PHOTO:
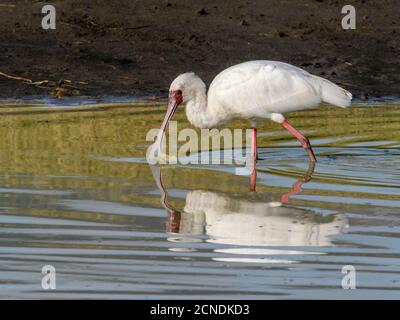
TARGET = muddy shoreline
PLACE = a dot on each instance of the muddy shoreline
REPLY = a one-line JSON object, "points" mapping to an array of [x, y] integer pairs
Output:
{"points": [[120, 48]]}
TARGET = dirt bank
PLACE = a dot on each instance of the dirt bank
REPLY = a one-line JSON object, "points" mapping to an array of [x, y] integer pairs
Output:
{"points": [[128, 47]]}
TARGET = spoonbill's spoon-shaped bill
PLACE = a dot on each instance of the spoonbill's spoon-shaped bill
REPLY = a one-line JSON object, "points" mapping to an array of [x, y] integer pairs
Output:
{"points": [[175, 99]]}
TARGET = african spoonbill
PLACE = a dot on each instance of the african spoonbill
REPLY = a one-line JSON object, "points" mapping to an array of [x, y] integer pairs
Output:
{"points": [[253, 90]]}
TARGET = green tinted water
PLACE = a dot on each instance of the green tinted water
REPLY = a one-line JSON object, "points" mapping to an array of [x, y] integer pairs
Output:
{"points": [[76, 193]]}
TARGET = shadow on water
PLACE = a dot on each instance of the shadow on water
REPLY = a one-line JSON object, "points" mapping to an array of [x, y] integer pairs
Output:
{"points": [[76, 192]]}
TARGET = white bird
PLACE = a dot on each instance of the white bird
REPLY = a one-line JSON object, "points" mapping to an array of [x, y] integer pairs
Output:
{"points": [[252, 90]]}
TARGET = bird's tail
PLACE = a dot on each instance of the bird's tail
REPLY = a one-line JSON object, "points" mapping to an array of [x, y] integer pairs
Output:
{"points": [[333, 94]]}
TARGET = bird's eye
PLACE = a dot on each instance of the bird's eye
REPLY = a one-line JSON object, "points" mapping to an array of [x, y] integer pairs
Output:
{"points": [[179, 92]]}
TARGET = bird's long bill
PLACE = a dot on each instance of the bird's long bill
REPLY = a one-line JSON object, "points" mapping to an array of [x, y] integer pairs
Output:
{"points": [[172, 105]]}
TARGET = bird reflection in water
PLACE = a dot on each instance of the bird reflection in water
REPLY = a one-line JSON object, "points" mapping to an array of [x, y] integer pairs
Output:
{"points": [[231, 220]]}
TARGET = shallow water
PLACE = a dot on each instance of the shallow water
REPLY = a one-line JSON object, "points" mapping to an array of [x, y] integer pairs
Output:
{"points": [[77, 193]]}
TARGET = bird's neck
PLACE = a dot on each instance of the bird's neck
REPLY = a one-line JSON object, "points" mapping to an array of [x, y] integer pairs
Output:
{"points": [[199, 113]]}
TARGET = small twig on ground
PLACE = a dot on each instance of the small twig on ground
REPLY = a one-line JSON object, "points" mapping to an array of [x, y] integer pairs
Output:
{"points": [[15, 77], [61, 88]]}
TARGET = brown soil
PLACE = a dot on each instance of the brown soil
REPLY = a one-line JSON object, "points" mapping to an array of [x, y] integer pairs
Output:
{"points": [[126, 47]]}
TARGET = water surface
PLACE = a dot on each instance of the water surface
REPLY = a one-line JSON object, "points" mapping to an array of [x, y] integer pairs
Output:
{"points": [[77, 193]]}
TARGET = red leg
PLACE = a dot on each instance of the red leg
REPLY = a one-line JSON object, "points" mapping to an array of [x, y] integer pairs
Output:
{"points": [[296, 187], [253, 177], [253, 180], [303, 140], [254, 143]]}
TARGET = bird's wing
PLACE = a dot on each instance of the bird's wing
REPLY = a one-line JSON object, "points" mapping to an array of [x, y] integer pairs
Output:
{"points": [[259, 88]]}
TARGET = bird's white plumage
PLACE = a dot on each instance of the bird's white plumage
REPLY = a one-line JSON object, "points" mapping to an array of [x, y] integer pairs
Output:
{"points": [[259, 88], [255, 89]]}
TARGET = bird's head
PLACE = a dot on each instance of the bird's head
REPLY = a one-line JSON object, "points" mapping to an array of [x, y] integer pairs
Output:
{"points": [[186, 85], [182, 90]]}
